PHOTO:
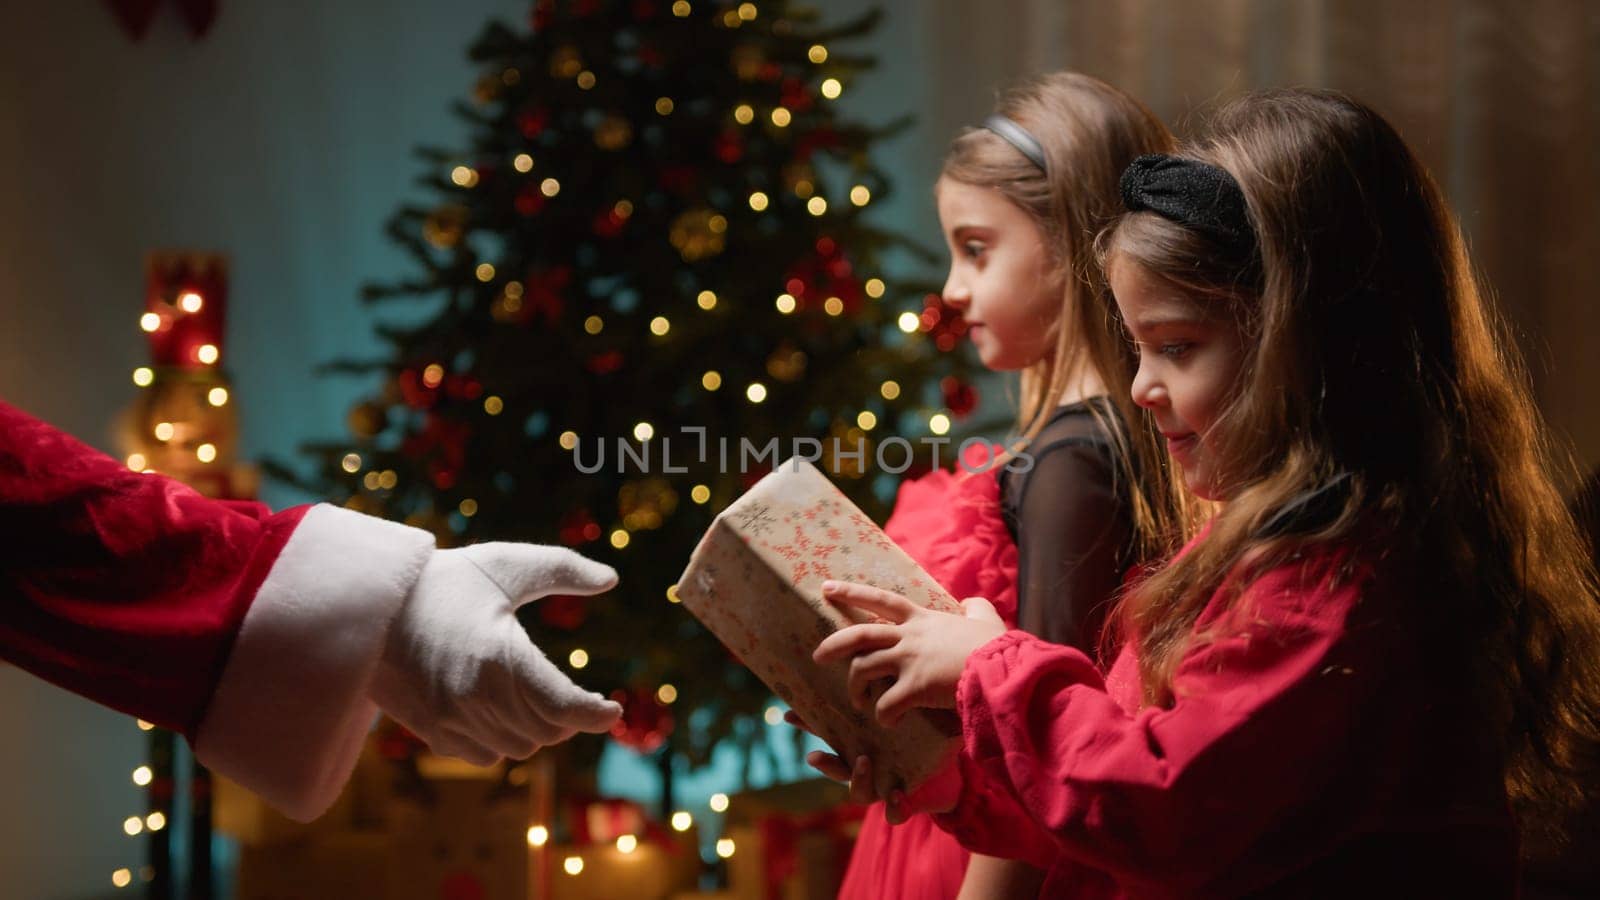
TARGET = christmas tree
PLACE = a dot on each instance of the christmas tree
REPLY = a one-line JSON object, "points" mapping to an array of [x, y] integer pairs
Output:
{"points": [[651, 262]]}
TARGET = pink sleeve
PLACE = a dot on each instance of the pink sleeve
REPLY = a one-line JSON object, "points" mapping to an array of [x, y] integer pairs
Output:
{"points": [[1259, 727], [122, 587]]}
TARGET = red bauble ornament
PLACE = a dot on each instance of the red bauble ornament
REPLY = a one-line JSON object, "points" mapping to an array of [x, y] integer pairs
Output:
{"points": [[828, 274], [961, 398], [414, 391], [812, 141], [532, 122], [605, 363], [443, 443], [678, 179], [729, 147], [795, 96], [461, 885], [607, 223], [942, 322], [543, 295], [646, 723], [578, 527], [529, 200], [563, 612], [542, 12]]}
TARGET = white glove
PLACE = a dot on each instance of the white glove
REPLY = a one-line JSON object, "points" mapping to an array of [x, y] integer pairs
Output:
{"points": [[459, 671]]}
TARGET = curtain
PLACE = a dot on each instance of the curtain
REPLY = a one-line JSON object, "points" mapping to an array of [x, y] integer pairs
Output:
{"points": [[1501, 101]]}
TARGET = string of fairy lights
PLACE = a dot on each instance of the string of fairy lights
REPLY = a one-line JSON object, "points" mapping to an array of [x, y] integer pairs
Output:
{"points": [[135, 825], [178, 438]]}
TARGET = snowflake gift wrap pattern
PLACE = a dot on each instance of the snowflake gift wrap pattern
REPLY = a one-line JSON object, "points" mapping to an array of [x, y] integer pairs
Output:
{"points": [[755, 581]]}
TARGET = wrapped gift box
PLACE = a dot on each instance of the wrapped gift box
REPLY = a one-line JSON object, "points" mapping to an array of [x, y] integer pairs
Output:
{"points": [[755, 581]]}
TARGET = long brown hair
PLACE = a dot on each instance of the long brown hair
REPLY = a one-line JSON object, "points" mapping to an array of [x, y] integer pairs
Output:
{"points": [[1372, 350], [1089, 132]]}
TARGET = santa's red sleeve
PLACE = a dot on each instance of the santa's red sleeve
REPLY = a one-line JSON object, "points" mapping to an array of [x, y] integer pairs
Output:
{"points": [[253, 634]]}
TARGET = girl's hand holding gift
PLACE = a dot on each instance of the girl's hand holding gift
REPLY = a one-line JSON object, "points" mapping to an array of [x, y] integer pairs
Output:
{"points": [[939, 794], [923, 650]]}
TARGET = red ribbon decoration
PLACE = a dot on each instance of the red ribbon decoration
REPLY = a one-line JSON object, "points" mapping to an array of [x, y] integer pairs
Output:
{"points": [[181, 333], [135, 16], [621, 816], [780, 840]]}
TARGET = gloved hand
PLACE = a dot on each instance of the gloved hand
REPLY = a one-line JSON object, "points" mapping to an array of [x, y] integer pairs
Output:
{"points": [[459, 671]]}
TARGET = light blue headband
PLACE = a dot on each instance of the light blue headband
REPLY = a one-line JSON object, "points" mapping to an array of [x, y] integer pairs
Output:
{"points": [[1018, 137]]}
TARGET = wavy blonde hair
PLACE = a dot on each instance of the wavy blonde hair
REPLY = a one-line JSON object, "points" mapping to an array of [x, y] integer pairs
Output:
{"points": [[1089, 132]]}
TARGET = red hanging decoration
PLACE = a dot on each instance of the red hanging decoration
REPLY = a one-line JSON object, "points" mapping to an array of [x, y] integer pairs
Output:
{"points": [[605, 363], [729, 147], [564, 612], [443, 443], [795, 96], [529, 200], [942, 322], [959, 397], [813, 280], [532, 121], [543, 294], [462, 884], [135, 16], [578, 527], [646, 722], [186, 299], [812, 141]]}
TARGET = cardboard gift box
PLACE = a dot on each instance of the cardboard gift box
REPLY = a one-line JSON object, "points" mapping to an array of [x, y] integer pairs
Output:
{"points": [[755, 581]]}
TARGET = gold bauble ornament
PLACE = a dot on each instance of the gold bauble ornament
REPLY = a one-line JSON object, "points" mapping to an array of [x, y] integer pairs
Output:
{"points": [[645, 503], [613, 133], [566, 62], [787, 363], [746, 61], [486, 89], [444, 226], [698, 234], [367, 419]]}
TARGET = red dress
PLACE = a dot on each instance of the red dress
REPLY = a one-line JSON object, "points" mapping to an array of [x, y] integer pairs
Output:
{"points": [[951, 525], [1311, 752]]}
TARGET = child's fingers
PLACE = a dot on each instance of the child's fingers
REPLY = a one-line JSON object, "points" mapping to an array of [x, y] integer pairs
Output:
{"points": [[888, 604], [855, 639], [861, 790], [894, 808], [793, 718], [898, 700], [866, 669], [829, 765], [980, 608]]}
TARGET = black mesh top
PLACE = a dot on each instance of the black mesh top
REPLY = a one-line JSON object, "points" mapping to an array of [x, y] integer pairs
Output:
{"points": [[1070, 518]]}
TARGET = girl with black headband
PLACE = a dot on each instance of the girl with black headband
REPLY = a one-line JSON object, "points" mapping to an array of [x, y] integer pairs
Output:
{"points": [[1375, 670], [1050, 536]]}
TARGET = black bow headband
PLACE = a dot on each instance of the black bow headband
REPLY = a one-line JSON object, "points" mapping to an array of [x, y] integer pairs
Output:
{"points": [[1192, 193]]}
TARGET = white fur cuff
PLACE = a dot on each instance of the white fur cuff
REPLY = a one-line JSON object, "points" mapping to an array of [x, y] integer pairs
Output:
{"points": [[288, 717]]}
